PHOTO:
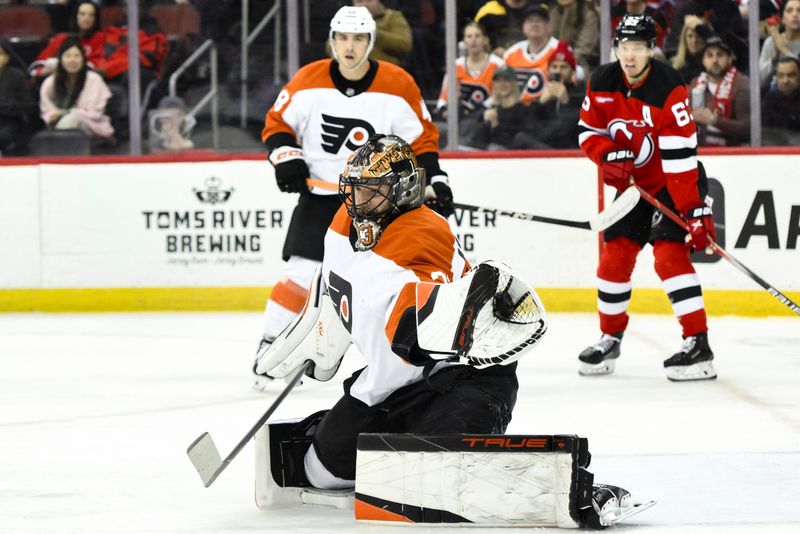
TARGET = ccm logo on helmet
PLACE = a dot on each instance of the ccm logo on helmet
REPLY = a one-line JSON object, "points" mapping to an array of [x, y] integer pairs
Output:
{"points": [[339, 131], [522, 442]]}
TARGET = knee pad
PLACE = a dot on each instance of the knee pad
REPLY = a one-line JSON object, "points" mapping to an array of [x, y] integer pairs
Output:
{"points": [[671, 259], [618, 260]]}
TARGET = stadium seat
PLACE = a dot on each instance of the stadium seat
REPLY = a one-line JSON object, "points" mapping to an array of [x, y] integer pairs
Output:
{"points": [[110, 15], [181, 22], [60, 143], [27, 28]]}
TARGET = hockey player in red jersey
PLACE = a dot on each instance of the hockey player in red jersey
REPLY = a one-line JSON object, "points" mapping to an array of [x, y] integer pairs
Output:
{"points": [[636, 124], [323, 114]]}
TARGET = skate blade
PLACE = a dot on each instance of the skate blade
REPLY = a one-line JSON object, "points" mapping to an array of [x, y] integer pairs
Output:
{"points": [[621, 514], [596, 369], [687, 373]]}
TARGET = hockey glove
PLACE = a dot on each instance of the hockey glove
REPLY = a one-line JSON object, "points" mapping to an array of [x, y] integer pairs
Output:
{"points": [[291, 170], [616, 169], [701, 226], [440, 198]]}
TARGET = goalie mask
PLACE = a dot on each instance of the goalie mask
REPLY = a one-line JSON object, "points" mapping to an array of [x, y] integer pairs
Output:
{"points": [[381, 180]]}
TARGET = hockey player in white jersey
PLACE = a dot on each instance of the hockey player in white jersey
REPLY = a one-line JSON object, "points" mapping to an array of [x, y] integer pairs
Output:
{"points": [[329, 109], [440, 341]]}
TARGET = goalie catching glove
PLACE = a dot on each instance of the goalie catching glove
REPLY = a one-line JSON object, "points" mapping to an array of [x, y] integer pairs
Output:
{"points": [[316, 334], [488, 317]]}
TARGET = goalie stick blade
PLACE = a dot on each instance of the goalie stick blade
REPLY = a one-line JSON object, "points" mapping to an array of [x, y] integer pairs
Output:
{"points": [[616, 211], [205, 458], [629, 511]]}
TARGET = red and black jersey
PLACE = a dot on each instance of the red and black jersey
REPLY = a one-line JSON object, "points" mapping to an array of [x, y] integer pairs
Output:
{"points": [[660, 106]]}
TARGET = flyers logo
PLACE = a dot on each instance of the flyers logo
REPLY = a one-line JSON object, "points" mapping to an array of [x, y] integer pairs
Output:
{"points": [[532, 81], [343, 131], [474, 93], [341, 293]]}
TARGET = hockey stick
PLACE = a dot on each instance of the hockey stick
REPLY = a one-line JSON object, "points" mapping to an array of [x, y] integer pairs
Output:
{"points": [[204, 453], [721, 251], [616, 211]]}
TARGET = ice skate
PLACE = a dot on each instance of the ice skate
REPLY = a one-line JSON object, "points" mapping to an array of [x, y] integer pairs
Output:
{"points": [[610, 505], [693, 362], [261, 381], [598, 359]]}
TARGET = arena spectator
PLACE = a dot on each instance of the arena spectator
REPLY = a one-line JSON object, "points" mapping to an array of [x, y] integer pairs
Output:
{"points": [[74, 96], [689, 58], [780, 107], [16, 103], [721, 98], [497, 126], [474, 72], [640, 7], [529, 58], [83, 24], [503, 21], [555, 114], [578, 23], [722, 15], [780, 44], [393, 38]]}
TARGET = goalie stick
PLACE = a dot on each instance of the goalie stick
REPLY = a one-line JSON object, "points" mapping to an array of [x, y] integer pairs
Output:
{"points": [[721, 251], [617, 210], [204, 453], [613, 213]]}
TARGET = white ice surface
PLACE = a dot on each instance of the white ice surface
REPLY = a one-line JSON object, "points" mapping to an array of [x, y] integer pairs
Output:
{"points": [[96, 412]]}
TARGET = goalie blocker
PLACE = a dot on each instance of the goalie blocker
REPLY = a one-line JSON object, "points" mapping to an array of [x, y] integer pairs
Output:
{"points": [[491, 480]]}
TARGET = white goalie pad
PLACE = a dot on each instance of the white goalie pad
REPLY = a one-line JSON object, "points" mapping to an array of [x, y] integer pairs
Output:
{"points": [[486, 480], [489, 317], [316, 334]]}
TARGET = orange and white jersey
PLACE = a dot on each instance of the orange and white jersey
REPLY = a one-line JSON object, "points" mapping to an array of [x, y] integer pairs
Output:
{"points": [[474, 88], [329, 125], [531, 69], [374, 291]]}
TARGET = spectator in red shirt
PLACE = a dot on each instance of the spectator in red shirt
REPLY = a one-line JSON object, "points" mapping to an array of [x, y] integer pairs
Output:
{"points": [[85, 24]]}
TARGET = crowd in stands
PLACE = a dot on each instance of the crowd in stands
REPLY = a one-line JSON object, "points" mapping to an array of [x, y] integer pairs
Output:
{"points": [[522, 68]]}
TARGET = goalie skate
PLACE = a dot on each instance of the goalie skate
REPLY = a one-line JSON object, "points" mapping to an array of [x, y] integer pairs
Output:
{"points": [[599, 359], [693, 362], [611, 505], [261, 382]]}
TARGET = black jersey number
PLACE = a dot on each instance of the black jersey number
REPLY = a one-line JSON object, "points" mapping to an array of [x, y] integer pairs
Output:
{"points": [[341, 292]]}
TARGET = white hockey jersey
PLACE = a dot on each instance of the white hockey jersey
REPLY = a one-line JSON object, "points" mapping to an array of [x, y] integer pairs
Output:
{"points": [[372, 290], [329, 125]]}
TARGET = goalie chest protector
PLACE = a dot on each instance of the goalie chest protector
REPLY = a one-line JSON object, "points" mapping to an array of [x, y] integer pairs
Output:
{"points": [[492, 480]]}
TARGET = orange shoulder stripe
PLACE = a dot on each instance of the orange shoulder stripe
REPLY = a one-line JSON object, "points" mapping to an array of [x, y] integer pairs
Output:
{"points": [[341, 222], [312, 76], [427, 245], [393, 80]]}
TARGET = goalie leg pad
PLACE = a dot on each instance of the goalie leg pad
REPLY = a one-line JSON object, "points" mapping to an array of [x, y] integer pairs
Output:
{"points": [[492, 480], [316, 334], [280, 475]]}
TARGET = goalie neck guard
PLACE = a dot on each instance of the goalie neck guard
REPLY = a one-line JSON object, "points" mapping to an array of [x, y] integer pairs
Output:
{"points": [[381, 180]]}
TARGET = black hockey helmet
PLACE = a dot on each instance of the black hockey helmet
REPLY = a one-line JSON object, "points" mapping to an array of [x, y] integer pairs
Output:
{"points": [[635, 27]]}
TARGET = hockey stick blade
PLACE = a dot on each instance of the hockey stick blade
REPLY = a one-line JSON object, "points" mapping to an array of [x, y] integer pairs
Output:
{"points": [[786, 301], [204, 454], [613, 213]]}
